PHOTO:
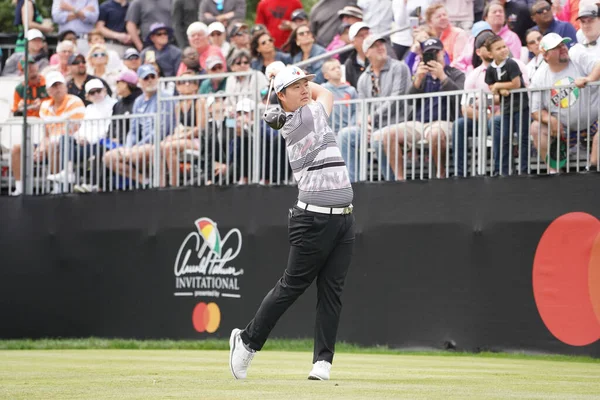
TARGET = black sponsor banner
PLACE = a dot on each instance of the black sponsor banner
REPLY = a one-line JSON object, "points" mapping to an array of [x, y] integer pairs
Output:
{"points": [[436, 264]]}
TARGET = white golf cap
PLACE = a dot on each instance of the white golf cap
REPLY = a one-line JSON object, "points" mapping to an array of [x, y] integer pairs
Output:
{"points": [[370, 41], [355, 28], [244, 105], [196, 27], [588, 8], [93, 84], [552, 40], [34, 34], [53, 77], [289, 75], [216, 26]]}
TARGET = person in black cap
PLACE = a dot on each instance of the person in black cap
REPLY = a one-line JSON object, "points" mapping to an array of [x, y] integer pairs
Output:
{"points": [[79, 77]]}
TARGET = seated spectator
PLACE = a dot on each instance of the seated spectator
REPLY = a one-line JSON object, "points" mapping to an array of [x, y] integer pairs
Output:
{"points": [[136, 156], [216, 84], [415, 55], [541, 14], [343, 115], [240, 154], [533, 38], [192, 134], [131, 59], [36, 21], [88, 140], [33, 91], [141, 14], [384, 77], [69, 36], [590, 28], [157, 49], [572, 114], [97, 65], [264, 52], [61, 112], [494, 15], [198, 38], [503, 76], [239, 38], [240, 62], [36, 50], [111, 25], [339, 41], [223, 11], [114, 59], [357, 62], [217, 37], [190, 59], [64, 50], [431, 118], [79, 16], [453, 38], [302, 46], [127, 92], [80, 76], [276, 16]]}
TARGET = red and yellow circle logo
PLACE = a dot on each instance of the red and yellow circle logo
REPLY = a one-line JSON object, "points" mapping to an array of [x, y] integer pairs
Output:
{"points": [[206, 317], [566, 278]]}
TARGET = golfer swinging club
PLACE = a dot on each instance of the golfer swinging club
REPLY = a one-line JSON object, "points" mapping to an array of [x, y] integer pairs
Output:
{"points": [[321, 225]]}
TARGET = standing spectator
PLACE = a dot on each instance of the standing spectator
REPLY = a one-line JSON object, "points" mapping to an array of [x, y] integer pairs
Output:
{"points": [[541, 13], [494, 15], [141, 14], [431, 117], [378, 14], [568, 12], [183, 13], [343, 115], [303, 47], [275, 15], [415, 55], [401, 41], [322, 25], [35, 44], [264, 52], [65, 50], [552, 112], [33, 91], [198, 38], [36, 21], [131, 59], [460, 13], [357, 62], [111, 24], [590, 28], [384, 77], [214, 65], [350, 15], [534, 37], [127, 91], [239, 38], [239, 61], [68, 36], [223, 11], [61, 113], [79, 77], [190, 59], [298, 17], [79, 16], [519, 18], [158, 49], [453, 38], [502, 76], [97, 65], [217, 37]]}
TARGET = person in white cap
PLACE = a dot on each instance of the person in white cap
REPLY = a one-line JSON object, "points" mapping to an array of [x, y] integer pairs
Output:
{"points": [[35, 44], [589, 18], [198, 37], [217, 37], [85, 143], [357, 62], [62, 113], [570, 113], [321, 226]]}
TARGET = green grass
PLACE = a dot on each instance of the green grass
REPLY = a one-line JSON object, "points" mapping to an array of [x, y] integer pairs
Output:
{"points": [[204, 374]]}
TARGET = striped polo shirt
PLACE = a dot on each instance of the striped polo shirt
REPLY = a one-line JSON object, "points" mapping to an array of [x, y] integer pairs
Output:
{"points": [[56, 116], [315, 158]]}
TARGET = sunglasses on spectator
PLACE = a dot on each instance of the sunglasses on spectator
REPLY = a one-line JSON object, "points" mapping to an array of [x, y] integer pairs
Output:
{"points": [[187, 83], [241, 33], [543, 10], [266, 41], [304, 33], [217, 68], [216, 33], [94, 92], [148, 77], [98, 55], [245, 62], [134, 57], [161, 33], [78, 62], [536, 40]]}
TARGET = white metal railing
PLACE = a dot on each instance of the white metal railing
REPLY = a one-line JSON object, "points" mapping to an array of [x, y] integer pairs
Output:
{"points": [[203, 140]]}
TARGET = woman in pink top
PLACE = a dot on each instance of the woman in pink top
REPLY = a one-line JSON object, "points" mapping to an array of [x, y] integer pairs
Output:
{"points": [[494, 15]]}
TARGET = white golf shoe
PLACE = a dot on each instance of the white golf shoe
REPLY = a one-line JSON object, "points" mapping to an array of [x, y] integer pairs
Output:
{"points": [[320, 371], [239, 356]]}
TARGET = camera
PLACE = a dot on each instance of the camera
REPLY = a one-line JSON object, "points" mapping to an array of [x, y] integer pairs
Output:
{"points": [[429, 56]]}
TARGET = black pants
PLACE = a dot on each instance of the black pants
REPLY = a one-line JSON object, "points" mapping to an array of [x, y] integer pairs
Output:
{"points": [[321, 248]]}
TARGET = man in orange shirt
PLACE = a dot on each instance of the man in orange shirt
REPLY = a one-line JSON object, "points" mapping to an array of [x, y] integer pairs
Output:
{"points": [[33, 91], [59, 112]]}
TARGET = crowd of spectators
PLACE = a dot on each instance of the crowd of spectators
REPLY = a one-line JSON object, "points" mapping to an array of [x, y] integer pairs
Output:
{"points": [[110, 55]]}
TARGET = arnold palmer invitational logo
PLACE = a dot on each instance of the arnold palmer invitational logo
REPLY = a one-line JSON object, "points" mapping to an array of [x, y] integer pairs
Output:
{"points": [[204, 264]]}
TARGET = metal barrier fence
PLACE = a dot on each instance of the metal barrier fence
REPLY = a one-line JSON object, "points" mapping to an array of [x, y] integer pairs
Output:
{"points": [[219, 138]]}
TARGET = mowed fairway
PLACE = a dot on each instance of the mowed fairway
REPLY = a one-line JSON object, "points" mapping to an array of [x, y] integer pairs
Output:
{"points": [[204, 374]]}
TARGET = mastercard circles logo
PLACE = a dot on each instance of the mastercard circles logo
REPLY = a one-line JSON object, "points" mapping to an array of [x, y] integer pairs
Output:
{"points": [[206, 317], [566, 278]]}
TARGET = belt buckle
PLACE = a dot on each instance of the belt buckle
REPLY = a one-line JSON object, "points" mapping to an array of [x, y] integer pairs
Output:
{"points": [[347, 210]]}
